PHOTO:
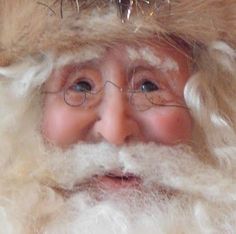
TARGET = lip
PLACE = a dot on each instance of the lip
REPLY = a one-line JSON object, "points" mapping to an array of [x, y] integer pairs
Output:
{"points": [[110, 182], [114, 180]]}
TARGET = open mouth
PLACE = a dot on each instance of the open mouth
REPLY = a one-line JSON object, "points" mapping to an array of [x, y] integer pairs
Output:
{"points": [[111, 181], [117, 180], [126, 177]]}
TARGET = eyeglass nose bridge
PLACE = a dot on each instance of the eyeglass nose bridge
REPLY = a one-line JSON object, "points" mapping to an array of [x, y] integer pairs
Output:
{"points": [[108, 82], [129, 93]]}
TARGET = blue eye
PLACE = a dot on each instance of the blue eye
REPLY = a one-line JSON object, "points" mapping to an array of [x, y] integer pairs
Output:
{"points": [[149, 86], [82, 86]]}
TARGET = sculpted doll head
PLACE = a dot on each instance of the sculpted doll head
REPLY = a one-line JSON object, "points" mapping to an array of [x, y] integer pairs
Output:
{"points": [[117, 117]]}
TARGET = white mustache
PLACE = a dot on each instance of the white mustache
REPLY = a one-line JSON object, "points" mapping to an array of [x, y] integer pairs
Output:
{"points": [[176, 167]]}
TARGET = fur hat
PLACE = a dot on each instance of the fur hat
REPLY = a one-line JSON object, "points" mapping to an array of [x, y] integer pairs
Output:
{"points": [[29, 26]]}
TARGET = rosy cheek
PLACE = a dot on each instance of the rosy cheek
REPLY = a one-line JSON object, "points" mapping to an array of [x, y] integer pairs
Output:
{"points": [[59, 125], [169, 127], [56, 126]]}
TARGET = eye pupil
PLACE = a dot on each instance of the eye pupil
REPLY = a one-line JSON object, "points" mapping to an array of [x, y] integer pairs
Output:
{"points": [[82, 86], [148, 86]]}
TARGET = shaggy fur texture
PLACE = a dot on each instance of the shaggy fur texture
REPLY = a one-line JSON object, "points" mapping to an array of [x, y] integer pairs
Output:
{"points": [[187, 188], [30, 26]]}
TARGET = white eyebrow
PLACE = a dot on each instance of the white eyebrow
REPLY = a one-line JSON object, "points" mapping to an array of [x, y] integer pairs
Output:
{"points": [[164, 63], [85, 54]]}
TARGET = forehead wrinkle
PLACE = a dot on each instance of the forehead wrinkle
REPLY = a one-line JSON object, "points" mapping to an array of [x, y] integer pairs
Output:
{"points": [[163, 62]]}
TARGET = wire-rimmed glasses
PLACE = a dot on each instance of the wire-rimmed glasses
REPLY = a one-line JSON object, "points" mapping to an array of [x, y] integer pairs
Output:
{"points": [[141, 100]]}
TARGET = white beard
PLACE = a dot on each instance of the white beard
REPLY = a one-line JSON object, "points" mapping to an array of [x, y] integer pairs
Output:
{"points": [[179, 193]]}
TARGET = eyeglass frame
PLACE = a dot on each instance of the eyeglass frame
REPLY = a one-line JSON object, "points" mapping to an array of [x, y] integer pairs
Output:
{"points": [[128, 91]]}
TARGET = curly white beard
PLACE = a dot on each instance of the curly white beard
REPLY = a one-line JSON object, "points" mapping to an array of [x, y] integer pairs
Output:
{"points": [[54, 194]]}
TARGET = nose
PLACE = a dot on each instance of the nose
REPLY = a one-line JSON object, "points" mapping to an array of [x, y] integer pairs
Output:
{"points": [[116, 123]]}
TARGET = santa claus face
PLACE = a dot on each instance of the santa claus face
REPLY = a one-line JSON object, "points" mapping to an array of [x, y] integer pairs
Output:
{"points": [[124, 94]]}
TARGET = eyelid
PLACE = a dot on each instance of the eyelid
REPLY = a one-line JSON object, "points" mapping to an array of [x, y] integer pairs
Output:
{"points": [[90, 75], [81, 80], [145, 75]]}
